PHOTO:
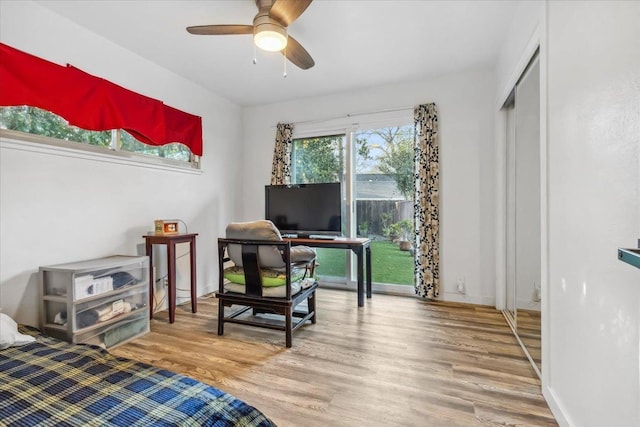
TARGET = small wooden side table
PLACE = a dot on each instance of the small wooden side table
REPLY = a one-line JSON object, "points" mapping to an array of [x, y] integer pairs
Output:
{"points": [[171, 241]]}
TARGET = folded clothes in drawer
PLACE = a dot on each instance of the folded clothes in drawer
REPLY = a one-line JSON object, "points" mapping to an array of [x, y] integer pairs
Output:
{"points": [[124, 332], [103, 309], [114, 333]]}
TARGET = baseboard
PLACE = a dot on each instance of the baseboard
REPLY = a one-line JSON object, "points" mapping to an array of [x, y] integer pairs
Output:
{"points": [[409, 291], [183, 296], [556, 407], [468, 299]]}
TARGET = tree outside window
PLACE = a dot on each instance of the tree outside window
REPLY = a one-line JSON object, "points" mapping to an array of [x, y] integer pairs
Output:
{"points": [[36, 121]]}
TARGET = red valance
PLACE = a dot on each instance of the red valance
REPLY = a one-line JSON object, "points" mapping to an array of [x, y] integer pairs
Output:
{"points": [[92, 103]]}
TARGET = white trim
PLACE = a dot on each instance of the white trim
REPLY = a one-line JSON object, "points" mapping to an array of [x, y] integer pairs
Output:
{"points": [[501, 209], [12, 140], [532, 45], [350, 202], [319, 132], [353, 122], [556, 408], [405, 290], [467, 298], [393, 289], [545, 302], [376, 288], [389, 113]]}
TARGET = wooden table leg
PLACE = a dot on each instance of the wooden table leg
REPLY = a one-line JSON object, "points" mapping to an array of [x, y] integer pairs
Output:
{"points": [[171, 262], [149, 247], [368, 254], [194, 299], [359, 254]]}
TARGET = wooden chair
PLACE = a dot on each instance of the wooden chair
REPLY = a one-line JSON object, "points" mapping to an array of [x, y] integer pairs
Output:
{"points": [[249, 282]]}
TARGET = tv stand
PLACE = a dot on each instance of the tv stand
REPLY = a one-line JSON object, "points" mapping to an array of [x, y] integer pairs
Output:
{"points": [[360, 246]]}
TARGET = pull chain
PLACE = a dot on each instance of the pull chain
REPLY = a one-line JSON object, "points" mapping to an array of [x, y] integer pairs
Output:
{"points": [[284, 76], [255, 58]]}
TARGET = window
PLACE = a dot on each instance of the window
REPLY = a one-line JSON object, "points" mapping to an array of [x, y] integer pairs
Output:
{"points": [[40, 122], [315, 160], [318, 159], [375, 166], [32, 120], [175, 151], [93, 103]]}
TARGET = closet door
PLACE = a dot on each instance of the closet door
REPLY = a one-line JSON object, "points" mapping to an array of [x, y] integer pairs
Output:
{"points": [[523, 233], [511, 209], [527, 210]]}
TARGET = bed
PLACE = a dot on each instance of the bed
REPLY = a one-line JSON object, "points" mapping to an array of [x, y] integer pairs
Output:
{"points": [[48, 382]]}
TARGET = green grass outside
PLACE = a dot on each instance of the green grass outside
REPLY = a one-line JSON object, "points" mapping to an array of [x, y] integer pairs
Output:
{"points": [[388, 263]]}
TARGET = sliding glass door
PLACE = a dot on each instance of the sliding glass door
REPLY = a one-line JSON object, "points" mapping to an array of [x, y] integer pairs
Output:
{"points": [[383, 195], [375, 167]]}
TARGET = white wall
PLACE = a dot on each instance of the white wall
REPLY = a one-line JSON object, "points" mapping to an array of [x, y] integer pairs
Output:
{"points": [[594, 208], [55, 208], [465, 105], [591, 168]]}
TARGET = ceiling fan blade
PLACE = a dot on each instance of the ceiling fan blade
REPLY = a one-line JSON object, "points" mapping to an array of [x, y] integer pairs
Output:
{"points": [[287, 11], [214, 30], [297, 54]]}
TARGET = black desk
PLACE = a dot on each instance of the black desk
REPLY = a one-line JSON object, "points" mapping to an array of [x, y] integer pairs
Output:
{"points": [[359, 246]]}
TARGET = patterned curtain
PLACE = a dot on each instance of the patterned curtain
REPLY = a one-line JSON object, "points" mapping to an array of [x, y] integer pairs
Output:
{"points": [[281, 169], [427, 201]]}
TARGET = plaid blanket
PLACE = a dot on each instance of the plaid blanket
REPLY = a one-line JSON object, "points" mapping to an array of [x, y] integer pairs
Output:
{"points": [[53, 383]]}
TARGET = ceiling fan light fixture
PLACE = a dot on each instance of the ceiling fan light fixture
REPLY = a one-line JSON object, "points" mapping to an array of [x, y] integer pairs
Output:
{"points": [[270, 37], [269, 30]]}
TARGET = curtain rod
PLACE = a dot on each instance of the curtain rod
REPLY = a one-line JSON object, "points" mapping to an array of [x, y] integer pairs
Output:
{"points": [[344, 116]]}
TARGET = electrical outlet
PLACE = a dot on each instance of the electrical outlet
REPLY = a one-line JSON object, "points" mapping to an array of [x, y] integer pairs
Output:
{"points": [[165, 282], [536, 293], [460, 285]]}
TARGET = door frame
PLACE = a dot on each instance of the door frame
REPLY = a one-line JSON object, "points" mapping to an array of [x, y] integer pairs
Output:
{"points": [[536, 44]]}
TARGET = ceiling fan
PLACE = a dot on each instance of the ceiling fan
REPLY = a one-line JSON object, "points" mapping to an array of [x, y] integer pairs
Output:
{"points": [[269, 29]]}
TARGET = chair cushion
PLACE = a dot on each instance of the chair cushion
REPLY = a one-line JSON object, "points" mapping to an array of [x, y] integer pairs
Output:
{"points": [[270, 277], [301, 254], [269, 256], [274, 292]]}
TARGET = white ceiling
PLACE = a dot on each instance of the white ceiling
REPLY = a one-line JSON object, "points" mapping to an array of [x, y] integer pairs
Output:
{"points": [[355, 43]]}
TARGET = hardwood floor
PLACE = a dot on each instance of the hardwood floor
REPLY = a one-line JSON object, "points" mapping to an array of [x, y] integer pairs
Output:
{"points": [[529, 331], [398, 361]]}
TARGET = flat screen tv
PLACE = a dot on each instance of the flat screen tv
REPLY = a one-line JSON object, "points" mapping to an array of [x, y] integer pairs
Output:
{"points": [[305, 209]]}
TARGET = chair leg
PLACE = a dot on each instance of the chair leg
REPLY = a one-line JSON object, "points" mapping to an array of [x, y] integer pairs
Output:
{"points": [[312, 268], [311, 304], [220, 317], [288, 326]]}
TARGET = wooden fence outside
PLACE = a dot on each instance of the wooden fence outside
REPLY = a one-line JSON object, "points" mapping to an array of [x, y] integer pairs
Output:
{"points": [[370, 212]]}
